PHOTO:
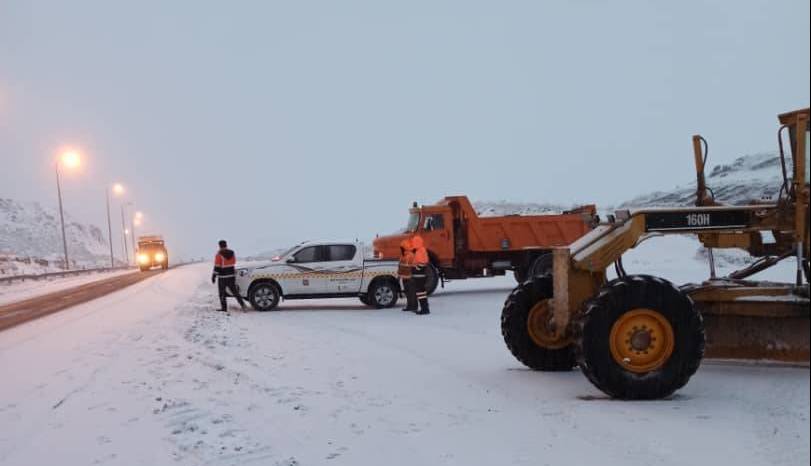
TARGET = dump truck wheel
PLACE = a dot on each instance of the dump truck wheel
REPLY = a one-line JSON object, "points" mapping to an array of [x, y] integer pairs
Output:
{"points": [[542, 265], [639, 338], [431, 279], [523, 328], [520, 274]]}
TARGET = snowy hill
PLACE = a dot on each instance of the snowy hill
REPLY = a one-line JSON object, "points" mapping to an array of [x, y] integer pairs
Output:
{"points": [[747, 178], [682, 258], [31, 239]]}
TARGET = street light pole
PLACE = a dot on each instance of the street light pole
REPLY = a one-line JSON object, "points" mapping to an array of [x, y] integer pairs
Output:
{"points": [[62, 217], [124, 234], [132, 232], [69, 159], [109, 226]]}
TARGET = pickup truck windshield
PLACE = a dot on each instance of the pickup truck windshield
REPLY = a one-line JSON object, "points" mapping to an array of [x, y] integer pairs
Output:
{"points": [[413, 222], [285, 253]]}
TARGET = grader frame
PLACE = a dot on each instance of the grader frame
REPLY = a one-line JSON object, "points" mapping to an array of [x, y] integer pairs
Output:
{"points": [[741, 319]]}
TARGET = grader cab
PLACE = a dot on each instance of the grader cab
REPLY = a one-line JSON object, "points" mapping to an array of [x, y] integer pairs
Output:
{"points": [[640, 336]]}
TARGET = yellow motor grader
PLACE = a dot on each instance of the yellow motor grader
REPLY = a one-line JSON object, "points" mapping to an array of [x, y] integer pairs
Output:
{"points": [[640, 336]]}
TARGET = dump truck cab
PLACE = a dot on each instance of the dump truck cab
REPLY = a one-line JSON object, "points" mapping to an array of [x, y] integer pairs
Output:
{"points": [[434, 223]]}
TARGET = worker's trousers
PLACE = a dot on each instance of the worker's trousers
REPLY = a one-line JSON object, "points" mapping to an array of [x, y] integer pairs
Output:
{"points": [[419, 277], [225, 284]]}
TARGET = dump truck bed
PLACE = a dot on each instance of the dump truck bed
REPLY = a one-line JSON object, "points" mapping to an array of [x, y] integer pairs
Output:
{"points": [[518, 232], [526, 232]]}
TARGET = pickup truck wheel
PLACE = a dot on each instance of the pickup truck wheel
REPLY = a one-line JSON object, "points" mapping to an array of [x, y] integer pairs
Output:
{"points": [[264, 296], [382, 293], [431, 279]]}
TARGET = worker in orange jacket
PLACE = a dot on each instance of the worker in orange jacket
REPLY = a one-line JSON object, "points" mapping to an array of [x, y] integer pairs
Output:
{"points": [[224, 274], [419, 273], [404, 271]]}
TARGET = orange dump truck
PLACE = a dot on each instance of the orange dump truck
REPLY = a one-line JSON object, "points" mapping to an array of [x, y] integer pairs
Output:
{"points": [[461, 244]]}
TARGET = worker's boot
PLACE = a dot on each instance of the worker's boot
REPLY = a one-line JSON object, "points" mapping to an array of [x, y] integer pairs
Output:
{"points": [[411, 306], [423, 307]]}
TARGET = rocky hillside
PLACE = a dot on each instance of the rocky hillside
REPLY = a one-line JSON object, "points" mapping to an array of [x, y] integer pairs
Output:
{"points": [[30, 235], [747, 178]]}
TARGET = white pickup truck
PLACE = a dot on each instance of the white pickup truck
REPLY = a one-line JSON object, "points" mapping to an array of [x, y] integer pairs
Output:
{"points": [[320, 270]]}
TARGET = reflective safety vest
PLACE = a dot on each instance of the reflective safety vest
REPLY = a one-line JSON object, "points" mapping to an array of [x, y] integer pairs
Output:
{"points": [[420, 253], [406, 259], [225, 264]]}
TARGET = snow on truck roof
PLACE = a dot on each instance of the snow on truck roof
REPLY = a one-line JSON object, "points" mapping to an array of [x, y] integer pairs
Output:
{"points": [[327, 243]]}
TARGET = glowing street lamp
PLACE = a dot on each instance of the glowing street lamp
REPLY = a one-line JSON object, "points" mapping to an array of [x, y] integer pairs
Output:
{"points": [[69, 159]]}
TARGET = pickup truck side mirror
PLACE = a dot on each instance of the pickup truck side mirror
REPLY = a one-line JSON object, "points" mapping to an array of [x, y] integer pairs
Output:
{"points": [[290, 260]]}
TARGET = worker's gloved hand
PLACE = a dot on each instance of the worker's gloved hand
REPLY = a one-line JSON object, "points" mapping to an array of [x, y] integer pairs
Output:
{"points": [[213, 277]]}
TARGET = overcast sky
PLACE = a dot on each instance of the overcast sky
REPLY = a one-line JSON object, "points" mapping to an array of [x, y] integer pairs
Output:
{"points": [[266, 123]]}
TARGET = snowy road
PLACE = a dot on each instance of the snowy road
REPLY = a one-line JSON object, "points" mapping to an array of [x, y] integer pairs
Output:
{"points": [[151, 376], [18, 291]]}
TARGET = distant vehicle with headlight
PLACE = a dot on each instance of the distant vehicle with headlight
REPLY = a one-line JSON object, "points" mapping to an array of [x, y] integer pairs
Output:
{"points": [[151, 253]]}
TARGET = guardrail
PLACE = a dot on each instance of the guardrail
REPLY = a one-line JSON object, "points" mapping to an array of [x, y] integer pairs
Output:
{"points": [[68, 273], [61, 273]]}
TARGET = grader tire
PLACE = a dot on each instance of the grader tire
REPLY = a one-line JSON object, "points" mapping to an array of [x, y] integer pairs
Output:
{"points": [[639, 338], [515, 328]]}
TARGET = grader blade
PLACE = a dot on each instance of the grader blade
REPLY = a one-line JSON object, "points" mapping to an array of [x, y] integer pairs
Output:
{"points": [[765, 322]]}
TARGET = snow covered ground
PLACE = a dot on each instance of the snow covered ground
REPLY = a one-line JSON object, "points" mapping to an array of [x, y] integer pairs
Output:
{"points": [[20, 290], [151, 375], [681, 259]]}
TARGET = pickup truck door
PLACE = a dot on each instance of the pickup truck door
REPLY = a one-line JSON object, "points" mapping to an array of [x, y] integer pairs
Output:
{"points": [[345, 263], [307, 272]]}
